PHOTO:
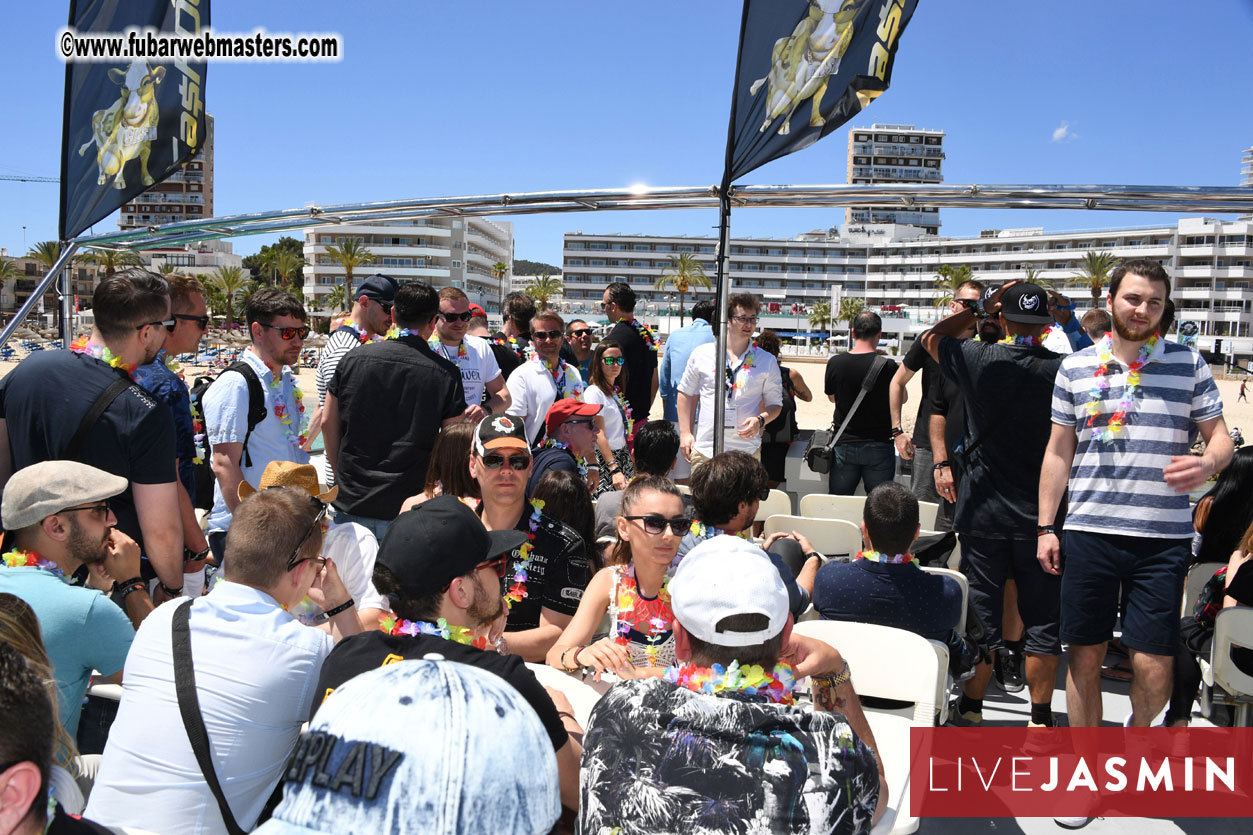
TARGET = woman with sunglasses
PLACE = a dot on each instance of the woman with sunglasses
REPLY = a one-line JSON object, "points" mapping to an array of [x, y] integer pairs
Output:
{"points": [[607, 389], [631, 590]]}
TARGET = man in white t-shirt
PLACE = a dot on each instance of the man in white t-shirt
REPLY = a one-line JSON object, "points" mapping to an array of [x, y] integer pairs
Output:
{"points": [[543, 379], [748, 378], [480, 374]]}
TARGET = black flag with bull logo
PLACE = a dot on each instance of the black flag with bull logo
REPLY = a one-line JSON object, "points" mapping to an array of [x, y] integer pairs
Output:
{"points": [[131, 122], [805, 68]]}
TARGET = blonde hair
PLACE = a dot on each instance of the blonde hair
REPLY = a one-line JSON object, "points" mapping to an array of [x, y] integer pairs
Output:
{"points": [[19, 627]]}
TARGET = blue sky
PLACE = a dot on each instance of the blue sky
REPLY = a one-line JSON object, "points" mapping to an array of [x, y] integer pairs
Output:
{"points": [[451, 98]]}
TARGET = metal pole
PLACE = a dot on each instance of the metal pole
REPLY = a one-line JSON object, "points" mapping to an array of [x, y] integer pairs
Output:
{"points": [[67, 304], [40, 289], [720, 321]]}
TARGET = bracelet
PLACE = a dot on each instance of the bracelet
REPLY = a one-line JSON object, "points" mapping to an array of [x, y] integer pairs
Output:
{"points": [[811, 554], [562, 659], [615, 469], [896, 431], [343, 607], [191, 556], [1041, 530], [169, 591], [565, 715], [833, 681], [941, 465], [130, 586], [132, 581]]}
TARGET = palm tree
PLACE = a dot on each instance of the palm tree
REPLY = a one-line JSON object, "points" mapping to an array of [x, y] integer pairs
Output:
{"points": [[8, 272], [47, 253], [228, 285], [286, 264], [350, 254], [948, 278], [166, 268], [499, 270], [1094, 273], [336, 299], [820, 316], [849, 308], [684, 272], [109, 261], [542, 288]]}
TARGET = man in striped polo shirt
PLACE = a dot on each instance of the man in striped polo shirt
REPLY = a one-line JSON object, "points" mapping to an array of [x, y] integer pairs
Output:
{"points": [[1125, 412]]}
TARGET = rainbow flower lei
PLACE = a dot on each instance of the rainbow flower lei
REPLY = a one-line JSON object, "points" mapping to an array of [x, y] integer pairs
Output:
{"points": [[776, 686], [579, 460], [280, 410], [462, 353], [393, 625], [896, 559], [524, 352], [1023, 340], [198, 436], [646, 334], [624, 406], [702, 531], [735, 380], [1100, 388], [396, 333], [560, 376], [83, 345], [625, 602], [362, 336], [518, 590], [29, 559]]}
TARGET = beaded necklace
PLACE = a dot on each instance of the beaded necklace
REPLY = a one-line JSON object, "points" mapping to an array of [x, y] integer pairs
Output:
{"points": [[439, 347], [275, 385], [29, 559], [624, 406], [579, 460], [775, 686], [646, 334], [702, 531], [83, 345], [629, 602], [393, 625], [518, 590], [734, 379], [896, 559], [1100, 387]]}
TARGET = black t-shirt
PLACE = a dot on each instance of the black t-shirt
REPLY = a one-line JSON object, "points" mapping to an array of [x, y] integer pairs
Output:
{"points": [[641, 363], [557, 575], [549, 459], [369, 650], [873, 420], [1008, 390], [917, 359], [43, 401], [945, 400], [506, 357], [393, 398]]}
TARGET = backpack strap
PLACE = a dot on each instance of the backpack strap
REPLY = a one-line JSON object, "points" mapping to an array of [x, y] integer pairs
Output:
{"points": [[256, 402], [98, 408], [867, 383]]}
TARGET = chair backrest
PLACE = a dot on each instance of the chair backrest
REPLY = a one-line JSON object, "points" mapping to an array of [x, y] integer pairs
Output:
{"points": [[1198, 576], [961, 580], [825, 506], [684, 489], [912, 675], [830, 537], [582, 697], [779, 503], [927, 511], [1233, 626]]}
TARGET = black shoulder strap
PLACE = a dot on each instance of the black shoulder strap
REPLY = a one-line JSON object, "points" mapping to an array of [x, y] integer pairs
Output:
{"points": [[256, 402], [189, 707], [867, 384], [103, 402]]}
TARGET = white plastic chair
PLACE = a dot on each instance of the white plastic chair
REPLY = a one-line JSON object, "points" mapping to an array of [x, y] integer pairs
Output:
{"points": [[1229, 684], [779, 503], [954, 557], [830, 537], [826, 506], [913, 675], [927, 511], [582, 697], [961, 580], [1198, 576]]}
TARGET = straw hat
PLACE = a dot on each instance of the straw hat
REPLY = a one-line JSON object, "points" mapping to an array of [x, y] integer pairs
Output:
{"points": [[291, 474]]}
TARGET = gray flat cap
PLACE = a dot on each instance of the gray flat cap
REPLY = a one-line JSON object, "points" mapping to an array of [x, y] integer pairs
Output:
{"points": [[42, 489]]}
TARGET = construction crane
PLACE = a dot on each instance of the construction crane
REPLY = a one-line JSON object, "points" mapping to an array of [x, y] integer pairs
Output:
{"points": [[22, 179]]}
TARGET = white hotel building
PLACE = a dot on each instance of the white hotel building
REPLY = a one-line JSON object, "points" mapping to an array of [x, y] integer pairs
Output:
{"points": [[444, 252], [893, 269]]}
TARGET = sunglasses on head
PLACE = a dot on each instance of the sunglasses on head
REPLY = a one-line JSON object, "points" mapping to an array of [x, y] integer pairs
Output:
{"points": [[613, 360], [168, 323], [656, 525], [287, 334], [322, 510], [580, 332], [494, 461], [457, 317], [537, 335], [202, 322]]}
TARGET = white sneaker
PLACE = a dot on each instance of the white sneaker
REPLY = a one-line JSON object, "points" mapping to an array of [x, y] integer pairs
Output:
{"points": [[1072, 823]]}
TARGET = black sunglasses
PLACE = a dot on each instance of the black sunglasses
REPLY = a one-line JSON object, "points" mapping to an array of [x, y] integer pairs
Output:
{"points": [[457, 317], [103, 508], [656, 525], [577, 332], [517, 463], [573, 421], [386, 306], [168, 323], [545, 334], [201, 321], [323, 509], [287, 334]]}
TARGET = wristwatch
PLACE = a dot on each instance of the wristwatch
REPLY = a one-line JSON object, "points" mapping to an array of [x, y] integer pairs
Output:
{"points": [[940, 465], [897, 431], [1041, 530]]}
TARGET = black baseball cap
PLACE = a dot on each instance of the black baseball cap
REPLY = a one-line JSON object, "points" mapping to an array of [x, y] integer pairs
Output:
{"points": [[500, 431], [1026, 304], [380, 288], [439, 540]]}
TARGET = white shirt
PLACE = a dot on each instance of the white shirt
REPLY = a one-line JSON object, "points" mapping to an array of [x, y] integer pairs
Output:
{"points": [[760, 387], [352, 548], [611, 411], [1057, 341], [533, 391], [478, 366], [256, 674]]}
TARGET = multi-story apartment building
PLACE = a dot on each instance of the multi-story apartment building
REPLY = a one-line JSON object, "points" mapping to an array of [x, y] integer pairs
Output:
{"points": [[184, 195], [1246, 173], [14, 293], [893, 269], [445, 252], [201, 259], [895, 154]]}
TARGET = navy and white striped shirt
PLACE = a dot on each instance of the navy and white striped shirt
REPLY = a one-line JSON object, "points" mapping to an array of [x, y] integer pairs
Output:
{"points": [[1117, 487]]}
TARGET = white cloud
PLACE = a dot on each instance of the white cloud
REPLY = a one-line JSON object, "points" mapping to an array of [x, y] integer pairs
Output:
{"points": [[1063, 133]]}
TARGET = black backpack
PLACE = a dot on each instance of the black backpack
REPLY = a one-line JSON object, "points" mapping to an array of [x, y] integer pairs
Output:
{"points": [[783, 428], [256, 414]]}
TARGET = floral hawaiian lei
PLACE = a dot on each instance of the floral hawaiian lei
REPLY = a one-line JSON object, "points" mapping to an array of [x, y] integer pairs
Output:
{"points": [[702, 531], [896, 559], [197, 429], [1100, 388], [280, 410], [735, 380], [646, 334], [83, 345], [362, 336], [1023, 340], [776, 686], [560, 376], [579, 460], [397, 333], [628, 597], [518, 590], [440, 629], [462, 353], [511, 342], [625, 407], [29, 559]]}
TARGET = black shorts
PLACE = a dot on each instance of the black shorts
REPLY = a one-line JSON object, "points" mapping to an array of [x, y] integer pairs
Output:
{"points": [[1148, 572], [987, 564]]}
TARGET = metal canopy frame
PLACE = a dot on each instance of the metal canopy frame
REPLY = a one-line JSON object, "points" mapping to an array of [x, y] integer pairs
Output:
{"points": [[1177, 199]]}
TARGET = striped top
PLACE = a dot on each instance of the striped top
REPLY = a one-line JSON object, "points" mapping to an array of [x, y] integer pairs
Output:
{"points": [[1118, 487]]}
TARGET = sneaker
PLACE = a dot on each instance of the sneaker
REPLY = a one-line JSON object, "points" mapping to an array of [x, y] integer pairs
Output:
{"points": [[969, 719], [1008, 671], [1072, 823], [1031, 724]]}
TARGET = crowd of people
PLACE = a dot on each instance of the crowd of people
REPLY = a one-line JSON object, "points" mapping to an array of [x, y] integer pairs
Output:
{"points": [[348, 648]]}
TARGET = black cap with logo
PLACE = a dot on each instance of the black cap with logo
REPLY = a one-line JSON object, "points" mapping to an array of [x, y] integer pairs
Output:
{"points": [[1026, 304]]}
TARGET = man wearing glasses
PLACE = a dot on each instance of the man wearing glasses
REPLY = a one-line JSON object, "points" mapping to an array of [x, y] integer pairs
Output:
{"points": [[639, 346], [577, 349], [162, 379], [545, 378], [545, 584], [46, 401], [569, 442], [276, 323], [484, 385]]}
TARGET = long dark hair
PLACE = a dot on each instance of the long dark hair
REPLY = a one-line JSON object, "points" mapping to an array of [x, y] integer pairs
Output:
{"points": [[621, 552], [1230, 509], [566, 498], [597, 369], [450, 462]]}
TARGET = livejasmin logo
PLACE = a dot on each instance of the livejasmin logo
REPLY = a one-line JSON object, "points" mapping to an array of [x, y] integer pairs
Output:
{"points": [[1023, 773]]}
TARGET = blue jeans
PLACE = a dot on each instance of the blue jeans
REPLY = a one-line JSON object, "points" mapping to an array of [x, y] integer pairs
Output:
{"points": [[378, 527], [870, 462]]}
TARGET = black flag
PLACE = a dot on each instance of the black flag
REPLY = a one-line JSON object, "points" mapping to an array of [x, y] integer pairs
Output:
{"points": [[132, 122], [805, 68]]}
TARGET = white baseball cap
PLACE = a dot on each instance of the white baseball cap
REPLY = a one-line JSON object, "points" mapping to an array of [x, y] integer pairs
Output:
{"points": [[726, 576]]}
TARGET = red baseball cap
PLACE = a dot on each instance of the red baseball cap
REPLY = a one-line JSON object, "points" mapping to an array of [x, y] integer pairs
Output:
{"points": [[478, 311], [563, 410]]}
